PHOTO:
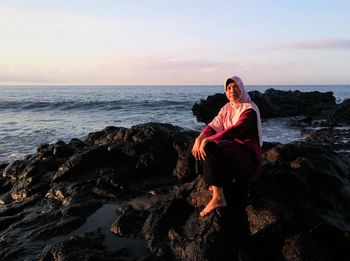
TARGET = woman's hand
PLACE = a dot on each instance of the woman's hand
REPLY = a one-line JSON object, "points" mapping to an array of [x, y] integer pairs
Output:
{"points": [[196, 148], [202, 148]]}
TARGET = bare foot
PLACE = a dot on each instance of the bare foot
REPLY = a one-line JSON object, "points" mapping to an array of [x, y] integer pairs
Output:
{"points": [[212, 205]]}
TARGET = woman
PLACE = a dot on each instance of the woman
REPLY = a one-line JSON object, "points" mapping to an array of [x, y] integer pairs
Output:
{"points": [[230, 146]]}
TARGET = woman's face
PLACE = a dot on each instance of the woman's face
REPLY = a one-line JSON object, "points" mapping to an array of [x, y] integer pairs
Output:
{"points": [[233, 92]]}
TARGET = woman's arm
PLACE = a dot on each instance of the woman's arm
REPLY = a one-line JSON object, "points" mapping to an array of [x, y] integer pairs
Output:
{"points": [[246, 125], [200, 142], [213, 127]]}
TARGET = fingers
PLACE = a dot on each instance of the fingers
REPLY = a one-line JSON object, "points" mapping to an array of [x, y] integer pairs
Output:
{"points": [[201, 150], [199, 154], [202, 154], [195, 150], [196, 154], [198, 150]]}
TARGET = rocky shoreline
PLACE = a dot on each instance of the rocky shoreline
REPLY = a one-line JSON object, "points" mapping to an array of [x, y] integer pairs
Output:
{"points": [[132, 194]]}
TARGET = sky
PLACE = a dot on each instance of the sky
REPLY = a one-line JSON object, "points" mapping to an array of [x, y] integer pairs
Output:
{"points": [[174, 42]]}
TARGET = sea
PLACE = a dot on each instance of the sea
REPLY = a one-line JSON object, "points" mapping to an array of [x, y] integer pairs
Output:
{"points": [[33, 115]]}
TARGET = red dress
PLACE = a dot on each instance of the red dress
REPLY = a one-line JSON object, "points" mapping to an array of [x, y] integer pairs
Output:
{"points": [[241, 143]]}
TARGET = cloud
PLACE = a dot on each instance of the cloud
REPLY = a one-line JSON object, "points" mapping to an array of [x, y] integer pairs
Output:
{"points": [[120, 69], [332, 44], [162, 69], [166, 62]]}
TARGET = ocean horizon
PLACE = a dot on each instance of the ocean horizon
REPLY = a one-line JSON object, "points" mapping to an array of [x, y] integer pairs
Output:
{"points": [[31, 115]]}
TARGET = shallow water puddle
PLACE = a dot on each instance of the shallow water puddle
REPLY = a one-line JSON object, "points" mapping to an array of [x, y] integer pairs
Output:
{"points": [[102, 219]]}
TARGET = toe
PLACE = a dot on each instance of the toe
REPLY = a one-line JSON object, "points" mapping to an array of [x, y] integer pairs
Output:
{"points": [[203, 213]]}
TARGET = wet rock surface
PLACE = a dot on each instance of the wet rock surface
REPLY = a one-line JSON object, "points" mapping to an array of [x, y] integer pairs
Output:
{"points": [[336, 138], [51, 193], [88, 246], [298, 210]]}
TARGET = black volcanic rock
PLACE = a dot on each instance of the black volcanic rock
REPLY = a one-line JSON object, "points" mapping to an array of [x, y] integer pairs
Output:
{"points": [[174, 230], [331, 136], [129, 222], [301, 199], [341, 115], [52, 192], [337, 138], [302, 187], [273, 103], [207, 109], [276, 103], [88, 246], [337, 116], [306, 187], [109, 135]]}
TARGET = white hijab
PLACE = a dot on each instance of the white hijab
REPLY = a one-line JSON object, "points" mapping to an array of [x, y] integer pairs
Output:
{"points": [[230, 113], [244, 103]]}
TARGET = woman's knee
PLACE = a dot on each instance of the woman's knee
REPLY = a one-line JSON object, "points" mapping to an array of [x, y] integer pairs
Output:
{"points": [[211, 147]]}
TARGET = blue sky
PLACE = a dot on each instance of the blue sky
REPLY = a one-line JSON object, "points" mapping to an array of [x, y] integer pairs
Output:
{"points": [[174, 42]]}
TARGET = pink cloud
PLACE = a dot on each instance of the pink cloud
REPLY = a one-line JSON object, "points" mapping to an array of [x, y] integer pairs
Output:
{"points": [[342, 44]]}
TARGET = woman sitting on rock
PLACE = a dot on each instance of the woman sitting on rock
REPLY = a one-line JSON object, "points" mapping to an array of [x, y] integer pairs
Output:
{"points": [[230, 146]]}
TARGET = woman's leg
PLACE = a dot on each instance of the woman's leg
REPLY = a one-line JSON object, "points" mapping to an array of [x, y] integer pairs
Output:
{"points": [[216, 176], [216, 169]]}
